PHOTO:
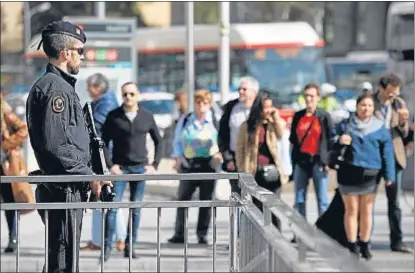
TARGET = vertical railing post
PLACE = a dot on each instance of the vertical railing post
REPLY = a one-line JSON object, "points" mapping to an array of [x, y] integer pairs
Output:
{"points": [[17, 223], [267, 223], [102, 238], [158, 239], [73, 213], [46, 240], [130, 238], [186, 237], [214, 238]]}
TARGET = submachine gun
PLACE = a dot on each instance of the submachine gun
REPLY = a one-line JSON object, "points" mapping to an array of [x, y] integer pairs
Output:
{"points": [[97, 154]]}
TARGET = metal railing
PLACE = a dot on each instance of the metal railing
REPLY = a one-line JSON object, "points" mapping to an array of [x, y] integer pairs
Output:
{"points": [[255, 245]]}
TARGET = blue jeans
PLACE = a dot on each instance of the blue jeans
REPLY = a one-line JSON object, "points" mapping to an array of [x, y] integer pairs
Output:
{"points": [[320, 181], [120, 230], [136, 194]]}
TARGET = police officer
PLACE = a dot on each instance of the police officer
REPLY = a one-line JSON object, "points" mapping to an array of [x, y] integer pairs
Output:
{"points": [[60, 141]]}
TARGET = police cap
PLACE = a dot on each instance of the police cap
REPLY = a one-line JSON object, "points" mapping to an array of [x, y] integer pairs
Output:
{"points": [[63, 28]]}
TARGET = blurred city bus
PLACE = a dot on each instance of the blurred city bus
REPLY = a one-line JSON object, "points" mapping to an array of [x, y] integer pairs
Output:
{"points": [[282, 56]]}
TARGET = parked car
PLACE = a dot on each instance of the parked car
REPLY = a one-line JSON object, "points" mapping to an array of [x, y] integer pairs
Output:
{"points": [[162, 105]]}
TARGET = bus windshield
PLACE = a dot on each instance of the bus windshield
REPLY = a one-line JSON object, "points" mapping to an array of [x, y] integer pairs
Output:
{"points": [[351, 75], [281, 70]]}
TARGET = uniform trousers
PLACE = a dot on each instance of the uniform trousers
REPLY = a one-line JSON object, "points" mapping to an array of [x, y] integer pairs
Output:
{"points": [[64, 226]]}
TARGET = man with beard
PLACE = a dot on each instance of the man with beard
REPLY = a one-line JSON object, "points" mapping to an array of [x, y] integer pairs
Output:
{"points": [[392, 110], [60, 141]]}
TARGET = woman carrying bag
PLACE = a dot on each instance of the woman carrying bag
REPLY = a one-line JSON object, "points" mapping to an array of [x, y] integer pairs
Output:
{"points": [[369, 151], [312, 133], [258, 149]]}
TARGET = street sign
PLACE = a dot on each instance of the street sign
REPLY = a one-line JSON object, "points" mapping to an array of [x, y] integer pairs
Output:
{"points": [[109, 28], [109, 50]]}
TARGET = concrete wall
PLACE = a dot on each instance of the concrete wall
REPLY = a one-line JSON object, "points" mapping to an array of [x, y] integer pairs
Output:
{"points": [[156, 13], [12, 35]]}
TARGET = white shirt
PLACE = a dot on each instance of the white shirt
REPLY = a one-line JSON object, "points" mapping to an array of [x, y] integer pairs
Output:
{"points": [[131, 115], [238, 115]]}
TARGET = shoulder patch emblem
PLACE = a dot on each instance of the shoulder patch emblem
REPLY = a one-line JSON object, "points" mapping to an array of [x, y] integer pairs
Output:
{"points": [[58, 104]]}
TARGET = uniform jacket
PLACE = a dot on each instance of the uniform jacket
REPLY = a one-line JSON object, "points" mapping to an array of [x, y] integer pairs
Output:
{"points": [[57, 128], [247, 154]]}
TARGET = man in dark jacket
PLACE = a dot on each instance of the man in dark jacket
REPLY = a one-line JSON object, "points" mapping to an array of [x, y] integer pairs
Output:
{"points": [[234, 114], [60, 141], [127, 127]]}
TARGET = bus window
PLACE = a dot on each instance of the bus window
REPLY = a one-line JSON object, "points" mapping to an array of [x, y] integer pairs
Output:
{"points": [[280, 74], [350, 75], [165, 72]]}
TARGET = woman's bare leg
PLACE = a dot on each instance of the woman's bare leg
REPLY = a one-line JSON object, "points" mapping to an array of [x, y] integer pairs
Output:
{"points": [[351, 206], [365, 216]]}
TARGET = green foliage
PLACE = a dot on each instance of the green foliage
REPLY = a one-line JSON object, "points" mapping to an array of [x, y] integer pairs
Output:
{"points": [[206, 12], [3, 24], [125, 9]]}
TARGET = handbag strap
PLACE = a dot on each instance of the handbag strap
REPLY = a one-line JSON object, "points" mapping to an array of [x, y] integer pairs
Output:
{"points": [[347, 132], [306, 134]]}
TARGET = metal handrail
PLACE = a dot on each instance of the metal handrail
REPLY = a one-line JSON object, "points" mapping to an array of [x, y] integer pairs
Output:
{"points": [[273, 237], [122, 177], [119, 205], [306, 234]]}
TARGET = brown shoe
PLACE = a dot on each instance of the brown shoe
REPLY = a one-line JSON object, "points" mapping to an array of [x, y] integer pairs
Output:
{"points": [[90, 246], [120, 245], [402, 249]]}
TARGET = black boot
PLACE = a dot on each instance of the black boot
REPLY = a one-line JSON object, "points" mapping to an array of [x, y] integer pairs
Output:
{"points": [[365, 250], [11, 247], [353, 248], [127, 250]]}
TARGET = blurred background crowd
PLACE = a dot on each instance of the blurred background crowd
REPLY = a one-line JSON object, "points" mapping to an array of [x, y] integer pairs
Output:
{"points": [[343, 46]]}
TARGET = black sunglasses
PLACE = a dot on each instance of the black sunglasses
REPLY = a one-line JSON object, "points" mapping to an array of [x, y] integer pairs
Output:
{"points": [[80, 50], [128, 94]]}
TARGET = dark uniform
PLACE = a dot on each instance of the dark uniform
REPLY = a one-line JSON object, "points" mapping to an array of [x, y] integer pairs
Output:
{"points": [[60, 141]]}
